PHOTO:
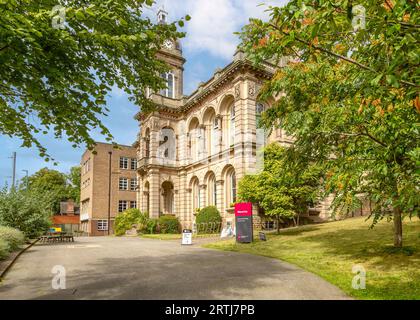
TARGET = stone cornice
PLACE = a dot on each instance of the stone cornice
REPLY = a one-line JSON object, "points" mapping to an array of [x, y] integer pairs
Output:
{"points": [[225, 75], [220, 78]]}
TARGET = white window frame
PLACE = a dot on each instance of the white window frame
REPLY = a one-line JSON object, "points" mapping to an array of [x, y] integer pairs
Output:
{"points": [[122, 205], [133, 164], [123, 184], [102, 225], [133, 204], [133, 184], [165, 92], [124, 162]]}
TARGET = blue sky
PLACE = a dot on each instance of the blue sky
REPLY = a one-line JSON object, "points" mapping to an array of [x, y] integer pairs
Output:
{"points": [[210, 43]]}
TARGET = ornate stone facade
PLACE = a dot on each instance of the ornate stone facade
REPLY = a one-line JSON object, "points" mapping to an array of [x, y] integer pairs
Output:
{"points": [[193, 149]]}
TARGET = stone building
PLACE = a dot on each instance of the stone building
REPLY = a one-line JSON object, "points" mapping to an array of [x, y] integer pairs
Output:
{"points": [[108, 185], [192, 150]]}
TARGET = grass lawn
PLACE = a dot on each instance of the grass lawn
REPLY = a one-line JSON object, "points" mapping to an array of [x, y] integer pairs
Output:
{"points": [[168, 236], [331, 249]]}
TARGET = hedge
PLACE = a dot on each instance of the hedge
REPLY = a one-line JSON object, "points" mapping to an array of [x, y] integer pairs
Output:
{"points": [[168, 224], [10, 240], [208, 214]]}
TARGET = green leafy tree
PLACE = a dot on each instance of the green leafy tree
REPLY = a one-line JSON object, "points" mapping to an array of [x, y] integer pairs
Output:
{"points": [[286, 187], [74, 180], [55, 74], [26, 210], [349, 96], [52, 182]]}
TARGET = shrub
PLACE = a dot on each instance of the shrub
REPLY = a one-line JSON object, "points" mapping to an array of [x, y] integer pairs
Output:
{"points": [[208, 214], [142, 223], [13, 237], [4, 249], [169, 224], [27, 211], [151, 225], [125, 221]]}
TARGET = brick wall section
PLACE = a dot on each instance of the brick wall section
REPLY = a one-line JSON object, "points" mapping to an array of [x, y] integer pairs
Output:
{"points": [[59, 219], [96, 193]]}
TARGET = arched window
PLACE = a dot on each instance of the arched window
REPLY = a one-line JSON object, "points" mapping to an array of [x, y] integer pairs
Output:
{"points": [[169, 91], [167, 144], [212, 191], [195, 195], [168, 197], [233, 186], [171, 86], [215, 134], [194, 139], [210, 131], [230, 183]]}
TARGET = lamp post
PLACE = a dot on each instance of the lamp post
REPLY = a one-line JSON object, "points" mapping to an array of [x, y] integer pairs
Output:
{"points": [[109, 191]]}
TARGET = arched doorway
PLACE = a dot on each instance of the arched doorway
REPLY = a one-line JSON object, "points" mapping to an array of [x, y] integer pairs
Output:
{"points": [[168, 197]]}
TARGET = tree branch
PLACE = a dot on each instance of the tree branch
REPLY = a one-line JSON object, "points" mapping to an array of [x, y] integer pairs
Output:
{"points": [[360, 134], [339, 56]]}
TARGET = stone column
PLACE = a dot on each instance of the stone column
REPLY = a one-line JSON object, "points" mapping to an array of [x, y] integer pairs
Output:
{"points": [[182, 205], [154, 193], [250, 127], [241, 127], [188, 214], [182, 144], [175, 203], [154, 141]]}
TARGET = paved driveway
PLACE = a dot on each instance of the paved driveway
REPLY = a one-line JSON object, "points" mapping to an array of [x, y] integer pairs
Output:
{"points": [[134, 268]]}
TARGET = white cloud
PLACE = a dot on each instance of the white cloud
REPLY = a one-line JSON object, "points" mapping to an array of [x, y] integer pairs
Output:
{"points": [[213, 22]]}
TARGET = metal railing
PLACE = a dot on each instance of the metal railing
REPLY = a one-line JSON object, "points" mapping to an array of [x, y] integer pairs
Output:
{"points": [[207, 227]]}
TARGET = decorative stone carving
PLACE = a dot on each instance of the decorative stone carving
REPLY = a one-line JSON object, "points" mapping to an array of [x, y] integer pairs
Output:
{"points": [[155, 124], [251, 89], [237, 91]]}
